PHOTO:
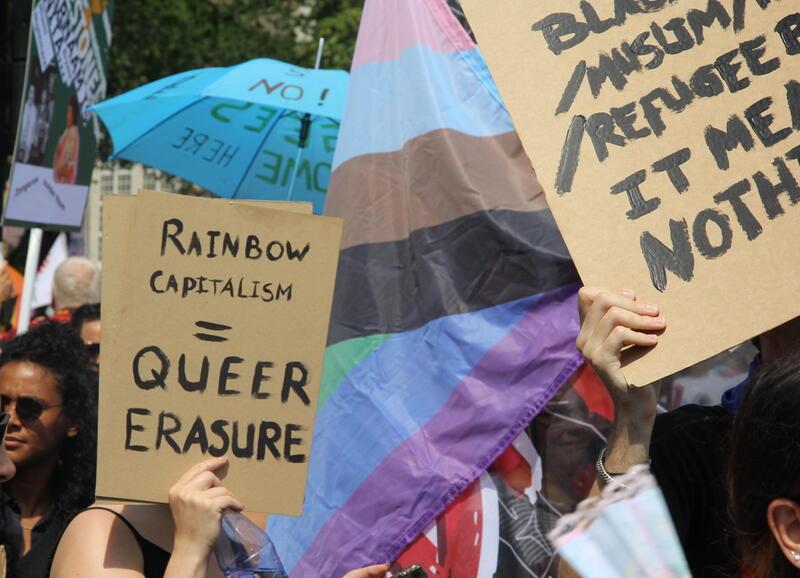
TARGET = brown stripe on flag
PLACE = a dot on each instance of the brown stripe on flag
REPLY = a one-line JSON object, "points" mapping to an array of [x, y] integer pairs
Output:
{"points": [[436, 178]]}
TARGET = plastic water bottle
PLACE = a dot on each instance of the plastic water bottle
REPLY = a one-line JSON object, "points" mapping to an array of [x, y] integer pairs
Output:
{"points": [[244, 550]]}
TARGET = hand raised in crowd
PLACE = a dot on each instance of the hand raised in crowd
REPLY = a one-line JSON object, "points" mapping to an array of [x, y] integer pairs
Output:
{"points": [[377, 571], [612, 320]]}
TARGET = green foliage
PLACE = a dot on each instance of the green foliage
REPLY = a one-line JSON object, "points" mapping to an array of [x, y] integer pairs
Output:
{"points": [[156, 38]]}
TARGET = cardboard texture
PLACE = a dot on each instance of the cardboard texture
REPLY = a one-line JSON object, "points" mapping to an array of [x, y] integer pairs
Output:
{"points": [[193, 369], [666, 143]]}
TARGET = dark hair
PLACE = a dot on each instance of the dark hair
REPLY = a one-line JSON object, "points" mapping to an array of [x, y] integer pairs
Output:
{"points": [[57, 348], [765, 464], [84, 314]]}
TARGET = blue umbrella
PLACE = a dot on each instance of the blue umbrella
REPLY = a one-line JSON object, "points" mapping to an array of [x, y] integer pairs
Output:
{"points": [[263, 129]]}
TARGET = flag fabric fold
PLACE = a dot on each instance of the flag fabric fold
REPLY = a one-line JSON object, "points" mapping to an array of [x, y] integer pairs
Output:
{"points": [[454, 316]]}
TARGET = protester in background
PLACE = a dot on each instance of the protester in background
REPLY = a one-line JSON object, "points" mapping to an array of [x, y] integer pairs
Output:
{"points": [[155, 541], [76, 282], [764, 473], [51, 439], [688, 446], [67, 155], [86, 322]]}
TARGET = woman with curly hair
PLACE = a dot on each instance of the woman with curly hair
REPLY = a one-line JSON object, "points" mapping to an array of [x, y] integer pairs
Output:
{"points": [[51, 438]]}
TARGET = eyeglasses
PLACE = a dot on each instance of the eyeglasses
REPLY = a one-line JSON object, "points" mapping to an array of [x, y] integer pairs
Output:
{"points": [[26, 408], [4, 419]]}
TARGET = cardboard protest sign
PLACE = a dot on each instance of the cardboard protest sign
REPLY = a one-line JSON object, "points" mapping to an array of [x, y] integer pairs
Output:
{"points": [[665, 133], [215, 319]]}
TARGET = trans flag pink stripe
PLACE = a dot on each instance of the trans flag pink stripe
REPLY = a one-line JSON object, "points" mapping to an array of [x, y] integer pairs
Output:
{"points": [[389, 27]]}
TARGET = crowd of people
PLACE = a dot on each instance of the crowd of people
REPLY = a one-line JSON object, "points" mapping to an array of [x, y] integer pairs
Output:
{"points": [[50, 524], [730, 473]]}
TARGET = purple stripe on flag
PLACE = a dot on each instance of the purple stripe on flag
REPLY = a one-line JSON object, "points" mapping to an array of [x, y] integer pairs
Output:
{"points": [[488, 409]]}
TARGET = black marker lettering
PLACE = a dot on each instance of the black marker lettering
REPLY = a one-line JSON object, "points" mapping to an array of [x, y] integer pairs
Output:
{"points": [[700, 233], [164, 433], [188, 385], [570, 155], [750, 225], [720, 142], [761, 123], [296, 384], [269, 433], [699, 19], [753, 51], [196, 436], [660, 258], [218, 429], [290, 440], [260, 377], [789, 30], [177, 226], [130, 427], [672, 165], [225, 375], [729, 71], [639, 206], [706, 83], [571, 90], [600, 127], [243, 451], [158, 377], [770, 193]]}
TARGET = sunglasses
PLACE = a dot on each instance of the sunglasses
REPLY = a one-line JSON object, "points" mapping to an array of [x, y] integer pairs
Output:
{"points": [[27, 408], [92, 349]]}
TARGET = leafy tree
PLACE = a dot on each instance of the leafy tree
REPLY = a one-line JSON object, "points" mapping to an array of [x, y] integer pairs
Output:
{"points": [[153, 38]]}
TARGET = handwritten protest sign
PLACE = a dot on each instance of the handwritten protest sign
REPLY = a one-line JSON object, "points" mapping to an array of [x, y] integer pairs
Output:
{"points": [[215, 320], [666, 135]]}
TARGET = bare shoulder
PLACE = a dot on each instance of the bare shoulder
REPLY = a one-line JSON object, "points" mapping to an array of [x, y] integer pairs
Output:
{"points": [[97, 543]]}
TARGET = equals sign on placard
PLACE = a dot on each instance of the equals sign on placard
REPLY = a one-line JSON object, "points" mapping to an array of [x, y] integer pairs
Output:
{"points": [[209, 326]]}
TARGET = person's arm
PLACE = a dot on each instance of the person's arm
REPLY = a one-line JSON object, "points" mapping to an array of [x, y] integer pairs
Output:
{"points": [[610, 322], [97, 544], [197, 501]]}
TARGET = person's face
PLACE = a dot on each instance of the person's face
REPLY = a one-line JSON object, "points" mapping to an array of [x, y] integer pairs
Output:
{"points": [[90, 333], [28, 389]]}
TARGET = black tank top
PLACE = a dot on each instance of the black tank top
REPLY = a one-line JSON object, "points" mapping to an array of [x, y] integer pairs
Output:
{"points": [[155, 558]]}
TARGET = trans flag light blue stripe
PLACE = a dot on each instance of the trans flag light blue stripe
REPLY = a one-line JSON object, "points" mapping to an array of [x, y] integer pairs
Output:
{"points": [[440, 91]]}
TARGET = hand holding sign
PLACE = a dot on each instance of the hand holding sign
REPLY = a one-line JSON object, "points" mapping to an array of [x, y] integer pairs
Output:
{"points": [[676, 171]]}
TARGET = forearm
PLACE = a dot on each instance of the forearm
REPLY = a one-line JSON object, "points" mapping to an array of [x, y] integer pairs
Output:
{"points": [[187, 562], [628, 445]]}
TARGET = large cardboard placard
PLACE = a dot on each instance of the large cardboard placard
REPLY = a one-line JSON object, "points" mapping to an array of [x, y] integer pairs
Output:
{"points": [[215, 318], [666, 135]]}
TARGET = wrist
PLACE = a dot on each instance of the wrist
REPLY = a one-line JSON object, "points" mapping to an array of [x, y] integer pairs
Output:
{"points": [[191, 550]]}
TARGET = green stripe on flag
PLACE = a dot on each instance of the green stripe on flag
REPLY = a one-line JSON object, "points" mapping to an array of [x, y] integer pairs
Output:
{"points": [[342, 358]]}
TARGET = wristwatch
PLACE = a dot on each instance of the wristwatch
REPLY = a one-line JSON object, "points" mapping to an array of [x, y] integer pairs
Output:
{"points": [[604, 476]]}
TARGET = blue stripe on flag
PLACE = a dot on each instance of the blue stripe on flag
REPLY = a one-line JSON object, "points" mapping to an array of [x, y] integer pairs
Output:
{"points": [[420, 92], [401, 386]]}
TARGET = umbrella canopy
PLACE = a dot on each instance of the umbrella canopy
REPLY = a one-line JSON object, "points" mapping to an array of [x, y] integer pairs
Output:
{"points": [[235, 131]]}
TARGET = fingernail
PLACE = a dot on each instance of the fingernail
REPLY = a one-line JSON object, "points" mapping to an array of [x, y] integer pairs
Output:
{"points": [[628, 293], [659, 321], [650, 307]]}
